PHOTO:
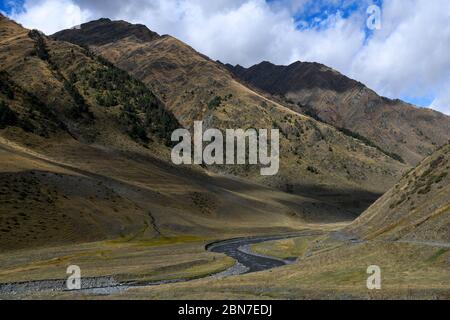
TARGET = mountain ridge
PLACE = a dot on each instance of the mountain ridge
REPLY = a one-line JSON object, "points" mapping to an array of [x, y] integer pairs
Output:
{"points": [[315, 89]]}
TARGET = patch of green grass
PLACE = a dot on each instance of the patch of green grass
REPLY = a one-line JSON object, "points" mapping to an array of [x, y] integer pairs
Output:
{"points": [[215, 103], [440, 177], [370, 143], [438, 254], [168, 240], [283, 249], [191, 270], [340, 277]]}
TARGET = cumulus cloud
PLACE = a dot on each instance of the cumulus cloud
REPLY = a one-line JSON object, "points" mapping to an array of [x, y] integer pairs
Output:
{"points": [[49, 15], [407, 57]]}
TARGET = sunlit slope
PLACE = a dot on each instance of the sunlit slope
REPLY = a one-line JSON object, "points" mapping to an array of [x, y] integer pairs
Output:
{"points": [[416, 209]]}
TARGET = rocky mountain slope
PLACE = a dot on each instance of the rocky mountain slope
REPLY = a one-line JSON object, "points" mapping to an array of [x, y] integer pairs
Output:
{"points": [[316, 159], [398, 128], [416, 209]]}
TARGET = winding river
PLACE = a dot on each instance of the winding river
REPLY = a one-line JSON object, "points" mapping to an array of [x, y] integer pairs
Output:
{"points": [[239, 249]]}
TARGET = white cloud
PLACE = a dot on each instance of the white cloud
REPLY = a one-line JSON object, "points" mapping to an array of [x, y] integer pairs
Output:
{"points": [[49, 15], [408, 57]]}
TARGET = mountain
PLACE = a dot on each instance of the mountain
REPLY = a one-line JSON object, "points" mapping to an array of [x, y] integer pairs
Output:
{"points": [[416, 209], [79, 94], [86, 179], [316, 159], [85, 156], [100, 35], [398, 128]]}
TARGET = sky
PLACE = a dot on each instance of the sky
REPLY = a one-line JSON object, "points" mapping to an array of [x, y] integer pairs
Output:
{"points": [[399, 48]]}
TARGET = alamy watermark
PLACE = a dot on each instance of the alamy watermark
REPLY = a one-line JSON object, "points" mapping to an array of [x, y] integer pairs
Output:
{"points": [[235, 145], [74, 280], [374, 280]]}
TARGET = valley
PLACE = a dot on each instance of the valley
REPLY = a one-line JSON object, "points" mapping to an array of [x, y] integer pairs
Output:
{"points": [[88, 177], [246, 261]]}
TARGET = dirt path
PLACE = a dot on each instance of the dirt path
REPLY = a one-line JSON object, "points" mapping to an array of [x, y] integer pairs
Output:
{"points": [[427, 243]]}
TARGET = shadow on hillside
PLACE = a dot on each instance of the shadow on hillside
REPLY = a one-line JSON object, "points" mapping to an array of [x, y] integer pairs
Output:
{"points": [[355, 201]]}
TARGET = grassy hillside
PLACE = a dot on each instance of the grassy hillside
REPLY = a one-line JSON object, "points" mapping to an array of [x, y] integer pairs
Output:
{"points": [[416, 209], [44, 204]]}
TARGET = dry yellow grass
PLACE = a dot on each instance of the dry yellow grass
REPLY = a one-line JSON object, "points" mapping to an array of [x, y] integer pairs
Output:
{"points": [[284, 249], [149, 260]]}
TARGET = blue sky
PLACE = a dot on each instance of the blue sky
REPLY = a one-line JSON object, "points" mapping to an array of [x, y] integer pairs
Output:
{"points": [[397, 61], [322, 9], [6, 5]]}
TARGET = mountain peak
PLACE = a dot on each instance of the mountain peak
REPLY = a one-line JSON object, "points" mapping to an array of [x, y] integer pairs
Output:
{"points": [[266, 63], [104, 30], [103, 20], [281, 79]]}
